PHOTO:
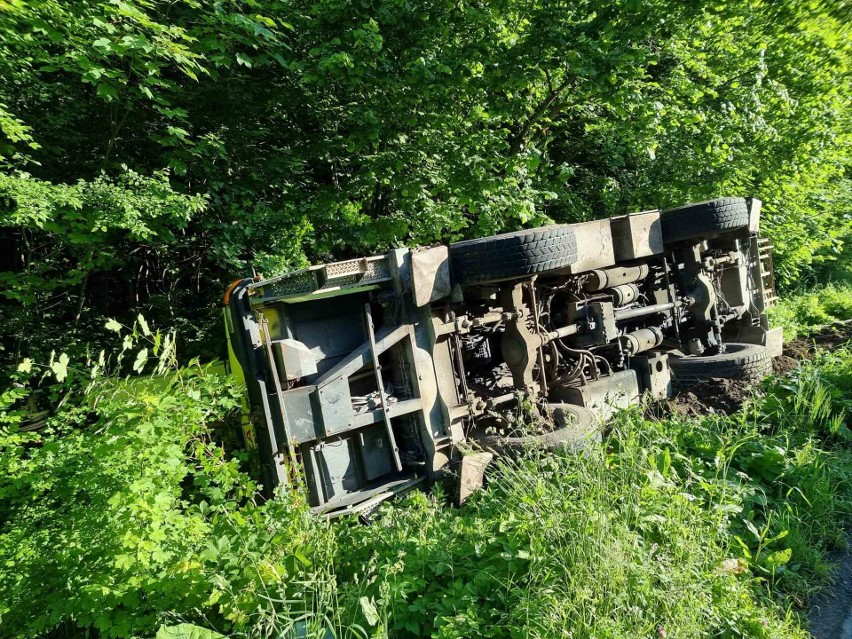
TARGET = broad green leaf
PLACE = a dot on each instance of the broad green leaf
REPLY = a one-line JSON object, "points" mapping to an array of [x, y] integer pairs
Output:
{"points": [[368, 607], [177, 132], [60, 367], [752, 529], [779, 558], [107, 91], [143, 325], [141, 360]]}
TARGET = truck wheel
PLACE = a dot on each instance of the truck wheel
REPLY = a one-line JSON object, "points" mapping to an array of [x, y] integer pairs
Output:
{"points": [[510, 255], [704, 219], [576, 428], [748, 362]]}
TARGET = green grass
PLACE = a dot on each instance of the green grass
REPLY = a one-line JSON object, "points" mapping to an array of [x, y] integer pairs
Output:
{"points": [[131, 517], [802, 311]]}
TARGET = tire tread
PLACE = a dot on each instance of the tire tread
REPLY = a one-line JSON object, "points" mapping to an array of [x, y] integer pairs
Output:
{"points": [[751, 366], [704, 219], [502, 257]]}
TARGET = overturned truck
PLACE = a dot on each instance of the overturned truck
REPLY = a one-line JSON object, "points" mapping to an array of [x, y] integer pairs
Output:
{"points": [[370, 376]]}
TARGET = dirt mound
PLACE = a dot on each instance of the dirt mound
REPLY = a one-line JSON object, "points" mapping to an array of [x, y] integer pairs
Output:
{"points": [[803, 348], [711, 396]]}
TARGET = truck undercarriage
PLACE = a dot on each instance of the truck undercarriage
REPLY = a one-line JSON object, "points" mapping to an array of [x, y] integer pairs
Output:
{"points": [[369, 376]]}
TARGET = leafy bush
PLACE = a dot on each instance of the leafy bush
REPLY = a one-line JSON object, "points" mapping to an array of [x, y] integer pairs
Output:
{"points": [[125, 511], [85, 232], [801, 312]]}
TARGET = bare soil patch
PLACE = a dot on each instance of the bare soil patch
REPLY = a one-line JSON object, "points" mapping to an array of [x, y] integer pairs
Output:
{"points": [[710, 397], [803, 348]]}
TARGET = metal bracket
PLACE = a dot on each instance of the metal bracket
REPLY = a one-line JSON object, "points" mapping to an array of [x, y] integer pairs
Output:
{"points": [[377, 369]]}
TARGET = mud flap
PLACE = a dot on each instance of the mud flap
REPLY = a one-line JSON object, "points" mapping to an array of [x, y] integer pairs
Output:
{"points": [[472, 474]]}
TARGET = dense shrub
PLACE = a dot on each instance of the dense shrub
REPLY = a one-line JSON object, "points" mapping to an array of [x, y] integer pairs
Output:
{"points": [[125, 510], [332, 128]]}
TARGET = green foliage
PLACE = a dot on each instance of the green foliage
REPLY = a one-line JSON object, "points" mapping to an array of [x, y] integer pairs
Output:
{"points": [[72, 237], [126, 511], [98, 515], [335, 128], [801, 312], [125, 515], [186, 631]]}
